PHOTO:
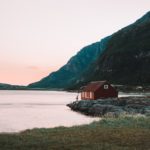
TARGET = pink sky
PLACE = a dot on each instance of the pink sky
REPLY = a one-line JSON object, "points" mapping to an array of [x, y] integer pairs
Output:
{"points": [[39, 36]]}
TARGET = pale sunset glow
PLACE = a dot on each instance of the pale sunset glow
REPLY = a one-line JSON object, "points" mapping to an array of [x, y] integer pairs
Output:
{"points": [[17, 74], [37, 37]]}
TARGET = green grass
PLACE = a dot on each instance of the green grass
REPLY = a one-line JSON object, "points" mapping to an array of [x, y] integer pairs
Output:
{"points": [[125, 133]]}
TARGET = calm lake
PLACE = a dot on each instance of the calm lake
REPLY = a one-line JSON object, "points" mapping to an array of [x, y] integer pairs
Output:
{"points": [[20, 110]]}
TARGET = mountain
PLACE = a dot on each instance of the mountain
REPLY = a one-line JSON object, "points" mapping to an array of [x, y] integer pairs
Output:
{"points": [[126, 58], [67, 74], [122, 58], [4, 86]]}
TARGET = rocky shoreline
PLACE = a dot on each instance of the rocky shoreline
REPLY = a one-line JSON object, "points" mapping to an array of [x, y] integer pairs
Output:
{"points": [[113, 107]]}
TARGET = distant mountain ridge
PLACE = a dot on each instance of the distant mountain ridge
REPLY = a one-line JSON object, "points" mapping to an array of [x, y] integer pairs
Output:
{"points": [[4, 86], [122, 58]]}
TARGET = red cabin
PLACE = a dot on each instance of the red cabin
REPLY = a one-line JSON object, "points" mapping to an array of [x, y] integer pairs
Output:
{"points": [[98, 90]]}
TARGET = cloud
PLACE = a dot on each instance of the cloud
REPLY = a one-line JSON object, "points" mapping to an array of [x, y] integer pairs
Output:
{"points": [[33, 68]]}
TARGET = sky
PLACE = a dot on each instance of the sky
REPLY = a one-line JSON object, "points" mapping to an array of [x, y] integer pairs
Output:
{"points": [[37, 37]]}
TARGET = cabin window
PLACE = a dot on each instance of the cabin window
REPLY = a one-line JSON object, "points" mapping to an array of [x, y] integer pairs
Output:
{"points": [[105, 87], [87, 94], [82, 94], [91, 94]]}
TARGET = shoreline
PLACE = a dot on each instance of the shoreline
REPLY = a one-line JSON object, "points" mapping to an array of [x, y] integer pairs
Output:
{"points": [[125, 131], [109, 133], [112, 107], [120, 88]]}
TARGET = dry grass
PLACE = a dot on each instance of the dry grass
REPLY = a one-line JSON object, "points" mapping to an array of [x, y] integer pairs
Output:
{"points": [[125, 133]]}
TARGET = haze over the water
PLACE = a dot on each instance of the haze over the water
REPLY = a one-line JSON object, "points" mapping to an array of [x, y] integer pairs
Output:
{"points": [[39, 36]]}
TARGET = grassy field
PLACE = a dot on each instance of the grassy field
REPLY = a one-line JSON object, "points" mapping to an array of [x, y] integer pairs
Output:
{"points": [[125, 133]]}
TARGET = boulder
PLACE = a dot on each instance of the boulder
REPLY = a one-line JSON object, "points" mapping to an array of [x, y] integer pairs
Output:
{"points": [[113, 107]]}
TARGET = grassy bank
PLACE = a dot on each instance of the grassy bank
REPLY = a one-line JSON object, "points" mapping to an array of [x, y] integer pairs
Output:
{"points": [[125, 133]]}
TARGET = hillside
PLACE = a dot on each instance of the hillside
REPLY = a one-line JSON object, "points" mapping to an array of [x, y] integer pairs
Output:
{"points": [[75, 66], [126, 59], [122, 58]]}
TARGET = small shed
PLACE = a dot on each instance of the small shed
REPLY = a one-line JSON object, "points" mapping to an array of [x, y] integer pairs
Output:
{"points": [[98, 89]]}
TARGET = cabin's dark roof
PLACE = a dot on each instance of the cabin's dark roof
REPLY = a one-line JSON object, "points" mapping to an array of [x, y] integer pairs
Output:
{"points": [[93, 86]]}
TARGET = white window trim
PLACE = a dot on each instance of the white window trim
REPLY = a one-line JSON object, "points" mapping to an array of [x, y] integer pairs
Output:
{"points": [[106, 86]]}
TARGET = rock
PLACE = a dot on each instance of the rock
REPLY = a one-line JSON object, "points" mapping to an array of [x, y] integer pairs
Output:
{"points": [[101, 110], [113, 107], [98, 109], [147, 111]]}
